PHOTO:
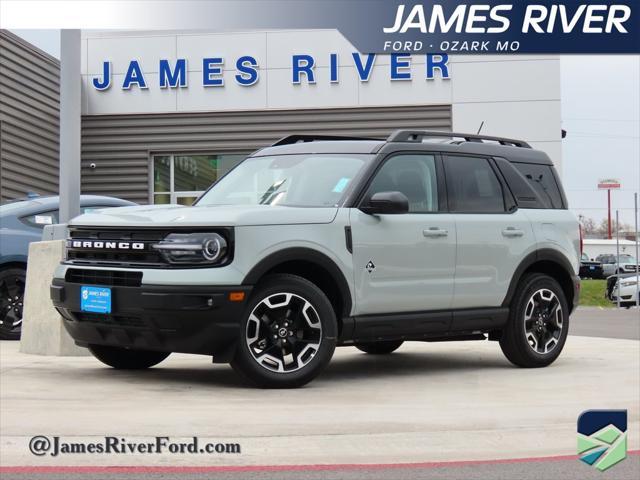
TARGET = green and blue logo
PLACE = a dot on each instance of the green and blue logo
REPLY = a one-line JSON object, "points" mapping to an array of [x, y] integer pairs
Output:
{"points": [[602, 437]]}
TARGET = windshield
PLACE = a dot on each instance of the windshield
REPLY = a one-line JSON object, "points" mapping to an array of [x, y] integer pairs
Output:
{"points": [[627, 258], [308, 180]]}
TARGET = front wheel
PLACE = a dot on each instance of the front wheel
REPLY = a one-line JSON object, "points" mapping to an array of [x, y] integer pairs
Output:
{"points": [[538, 322], [288, 333], [125, 359], [379, 348]]}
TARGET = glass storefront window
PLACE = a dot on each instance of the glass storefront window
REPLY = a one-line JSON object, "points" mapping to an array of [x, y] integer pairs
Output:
{"points": [[162, 199], [162, 173], [194, 173], [182, 178]]}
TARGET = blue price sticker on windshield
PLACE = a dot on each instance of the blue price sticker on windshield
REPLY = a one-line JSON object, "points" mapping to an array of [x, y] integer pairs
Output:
{"points": [[341, 185], [95, 299]]}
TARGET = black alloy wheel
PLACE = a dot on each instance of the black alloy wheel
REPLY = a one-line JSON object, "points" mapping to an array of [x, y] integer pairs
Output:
{"points": [[12, 286]]}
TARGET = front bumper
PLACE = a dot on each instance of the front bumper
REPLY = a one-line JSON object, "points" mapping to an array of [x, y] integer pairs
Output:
{"points": [[187, 319]]}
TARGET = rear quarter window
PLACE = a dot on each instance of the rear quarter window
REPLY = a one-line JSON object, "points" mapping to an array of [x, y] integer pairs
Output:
{"points": [[543, 181]]}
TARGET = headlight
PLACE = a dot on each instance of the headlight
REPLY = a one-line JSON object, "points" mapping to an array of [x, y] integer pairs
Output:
{"points": [[193, 248], [628, 283]]}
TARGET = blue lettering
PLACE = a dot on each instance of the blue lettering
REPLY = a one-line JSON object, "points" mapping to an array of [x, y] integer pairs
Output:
{"points": [[106, 77], [303, 64], [248, 68], [211, 67], [334, 67], [441, 63], [364, 72], [177, 78], [400, 61], [134, 76]]}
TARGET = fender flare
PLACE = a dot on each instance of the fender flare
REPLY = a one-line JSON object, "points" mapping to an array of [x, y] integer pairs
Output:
{"points": [[544, 254], [308, 255]]}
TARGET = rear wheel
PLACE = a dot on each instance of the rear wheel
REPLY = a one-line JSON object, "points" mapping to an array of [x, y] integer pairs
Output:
{"points": [[12, 284], [125, 359], [379, 348], [288, 333], [538, 322]]}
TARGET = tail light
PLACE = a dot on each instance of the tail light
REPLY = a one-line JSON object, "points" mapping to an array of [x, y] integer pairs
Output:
{"points": [[581, 239]]}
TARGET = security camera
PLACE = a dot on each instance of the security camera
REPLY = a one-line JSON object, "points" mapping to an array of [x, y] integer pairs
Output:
{"points": [[92, 166]]}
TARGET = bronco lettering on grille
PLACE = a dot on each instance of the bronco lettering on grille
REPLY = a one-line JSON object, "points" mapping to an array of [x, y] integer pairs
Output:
{"points": [[99, 245]]}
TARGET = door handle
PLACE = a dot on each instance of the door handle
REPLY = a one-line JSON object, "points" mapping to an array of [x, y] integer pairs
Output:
{"points": [[434, 232], [512, 232]]}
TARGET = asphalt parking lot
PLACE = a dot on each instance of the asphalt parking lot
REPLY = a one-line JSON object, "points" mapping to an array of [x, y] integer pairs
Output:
{"points": [[428, 402]]}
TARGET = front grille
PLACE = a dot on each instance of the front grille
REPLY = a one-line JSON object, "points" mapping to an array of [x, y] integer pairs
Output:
{"points": [[115, 278], [83, 248], [145, 257], [110, 320]]}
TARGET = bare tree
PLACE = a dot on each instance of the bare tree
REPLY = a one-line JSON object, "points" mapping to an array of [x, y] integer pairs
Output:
{"points": [[600, 229]]}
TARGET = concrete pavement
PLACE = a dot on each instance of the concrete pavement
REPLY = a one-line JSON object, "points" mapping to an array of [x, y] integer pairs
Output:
{"points": [[427, 402]]}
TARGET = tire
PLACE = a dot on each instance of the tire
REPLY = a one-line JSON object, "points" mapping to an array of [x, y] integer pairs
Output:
{"points": [[536, 342], [380, 348], [125, 359], [12, 283], [280, 347]]}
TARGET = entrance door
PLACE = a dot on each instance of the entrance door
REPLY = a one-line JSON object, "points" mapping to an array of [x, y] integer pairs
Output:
{"points": [[405, 262]]}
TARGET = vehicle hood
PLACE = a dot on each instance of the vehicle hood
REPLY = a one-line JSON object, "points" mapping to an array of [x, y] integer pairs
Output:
{"points": [[625, 263], [204, 216]]}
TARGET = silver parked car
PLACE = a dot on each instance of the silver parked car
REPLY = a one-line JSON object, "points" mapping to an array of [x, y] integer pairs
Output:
{"points": [[615, 266]]}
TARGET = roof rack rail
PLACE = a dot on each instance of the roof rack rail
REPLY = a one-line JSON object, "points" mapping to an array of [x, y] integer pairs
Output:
{"points": [[291, 139], [416, 136]]}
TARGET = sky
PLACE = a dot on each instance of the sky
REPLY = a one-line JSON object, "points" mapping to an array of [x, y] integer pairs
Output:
{"points": [[600, 112]]}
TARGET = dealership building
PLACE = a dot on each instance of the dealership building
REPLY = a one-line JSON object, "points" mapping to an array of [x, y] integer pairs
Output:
{"points": [[164, 114]]}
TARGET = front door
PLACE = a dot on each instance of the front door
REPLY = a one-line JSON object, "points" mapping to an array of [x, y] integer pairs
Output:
{"points": [[405, 262]]}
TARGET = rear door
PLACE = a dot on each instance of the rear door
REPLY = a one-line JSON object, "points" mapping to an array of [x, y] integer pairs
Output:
{"points": [[493, 237], [405, 262]]}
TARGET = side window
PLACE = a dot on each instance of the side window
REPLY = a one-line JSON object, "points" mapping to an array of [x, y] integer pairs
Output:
{"points": [[472, 186], [39, 220], [414, 176], [541, 179]]}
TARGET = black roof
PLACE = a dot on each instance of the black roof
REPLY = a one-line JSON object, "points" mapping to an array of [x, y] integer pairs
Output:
{"points": [[449, 142]]}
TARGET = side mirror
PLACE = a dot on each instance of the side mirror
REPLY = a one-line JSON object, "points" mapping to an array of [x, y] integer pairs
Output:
{"points": [[391, 203]]}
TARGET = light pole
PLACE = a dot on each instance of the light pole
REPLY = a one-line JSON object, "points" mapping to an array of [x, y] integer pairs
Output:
{"points": [[635, 210]]}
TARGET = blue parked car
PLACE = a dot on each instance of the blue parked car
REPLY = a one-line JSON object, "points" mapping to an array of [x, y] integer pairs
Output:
{"points": [[22, 222]]}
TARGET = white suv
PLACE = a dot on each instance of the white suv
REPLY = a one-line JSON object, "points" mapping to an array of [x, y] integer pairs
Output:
{"points": [[318, 242]]}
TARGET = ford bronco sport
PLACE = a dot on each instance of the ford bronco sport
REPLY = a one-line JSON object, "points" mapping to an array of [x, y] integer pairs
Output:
{"points": [[317, 242]]}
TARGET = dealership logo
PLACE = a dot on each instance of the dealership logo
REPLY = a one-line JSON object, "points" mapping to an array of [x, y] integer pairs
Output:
{"points": [[602, 437], [101, 245], [246, 70]]}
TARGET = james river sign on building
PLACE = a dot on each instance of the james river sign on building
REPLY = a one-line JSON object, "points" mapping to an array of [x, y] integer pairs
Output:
{"points": [[247, 70]]}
